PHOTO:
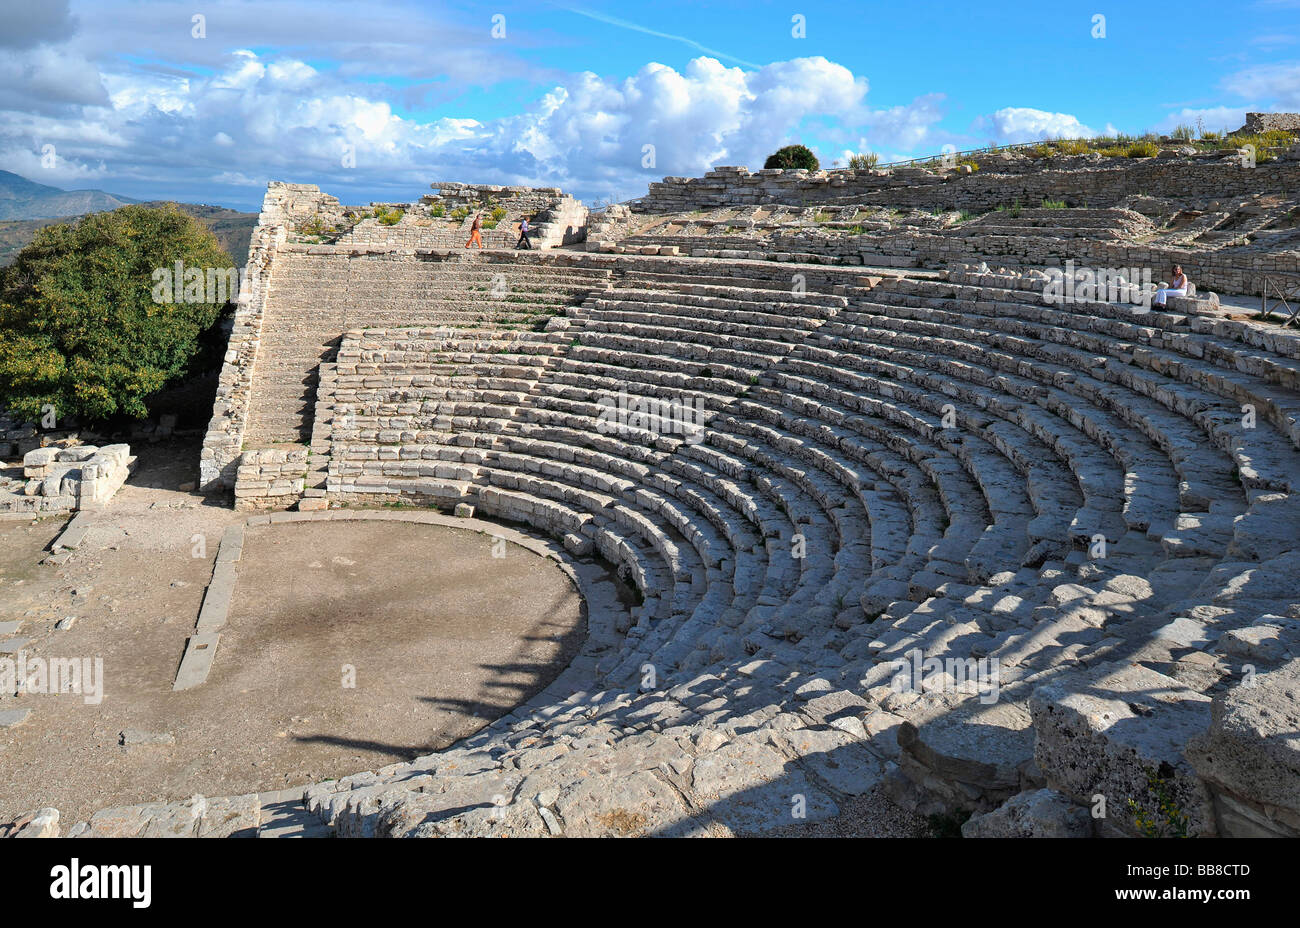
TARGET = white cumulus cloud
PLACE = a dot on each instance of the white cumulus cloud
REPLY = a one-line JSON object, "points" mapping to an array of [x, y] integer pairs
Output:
{"points": [[1013, 124], [1279, 84]]}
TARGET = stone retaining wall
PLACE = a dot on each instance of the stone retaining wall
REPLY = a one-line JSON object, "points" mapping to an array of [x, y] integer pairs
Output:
{"points": [[1267, 122], [271, 478], [1091, 180], [1237, 271], [16, 439], [225, 436]]}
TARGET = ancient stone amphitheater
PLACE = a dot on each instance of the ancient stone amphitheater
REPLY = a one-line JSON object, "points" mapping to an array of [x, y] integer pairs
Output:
{"points": [[929, 535]]}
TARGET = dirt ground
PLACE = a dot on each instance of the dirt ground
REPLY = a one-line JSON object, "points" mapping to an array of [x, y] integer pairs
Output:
{"points": [[438, 636]]}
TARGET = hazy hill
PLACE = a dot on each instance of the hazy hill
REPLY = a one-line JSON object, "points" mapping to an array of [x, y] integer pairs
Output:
{"points": [[26, 206], [21, 198], [231, 227]]}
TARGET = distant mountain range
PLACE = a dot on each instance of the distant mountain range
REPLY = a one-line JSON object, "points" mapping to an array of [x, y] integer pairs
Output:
{"points": [[21, 198], [26, 206]]}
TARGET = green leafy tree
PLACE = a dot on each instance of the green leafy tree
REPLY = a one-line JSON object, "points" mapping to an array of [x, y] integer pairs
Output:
{"points": [[85, 324], [792, 156]]}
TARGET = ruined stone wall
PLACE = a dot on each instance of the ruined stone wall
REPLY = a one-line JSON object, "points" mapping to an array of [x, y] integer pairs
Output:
{"points": [[1266, 122], [555, 219], [293, 204], [267, 476], [1234, 271], [16, 438], [1088, 180], [66, 479], [412, 233], [225, 436]]}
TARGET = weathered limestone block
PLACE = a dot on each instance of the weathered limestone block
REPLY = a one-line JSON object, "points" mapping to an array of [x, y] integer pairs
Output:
{"points": [[388, 810], [750, 787], [82, 477], [1118, 732], [1250, 755], [43, 823], [149, 820], [1275, 639], [968, 757], [1038, 814], [37, 463], [629, 805], [231, 816]]}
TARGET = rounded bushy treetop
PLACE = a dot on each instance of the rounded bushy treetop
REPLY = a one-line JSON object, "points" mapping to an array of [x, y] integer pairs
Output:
{"points": [[792, 156], [94, 320]]}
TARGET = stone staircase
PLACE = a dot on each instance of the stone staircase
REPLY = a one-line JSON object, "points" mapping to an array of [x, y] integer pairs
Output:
{"points": [[312, 300]]}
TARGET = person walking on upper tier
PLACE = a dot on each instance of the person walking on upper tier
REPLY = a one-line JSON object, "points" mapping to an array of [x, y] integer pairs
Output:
{"points": [[475, 231], [523, 234], [1178, 287]]}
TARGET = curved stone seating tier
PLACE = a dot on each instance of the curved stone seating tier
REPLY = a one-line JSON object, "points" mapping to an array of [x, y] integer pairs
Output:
{"points": [[1010, 317], [881, 468], [1025, 403], [1215, 339], [1110, 486], [1054, 489], [1265, 457], [714, 426]]}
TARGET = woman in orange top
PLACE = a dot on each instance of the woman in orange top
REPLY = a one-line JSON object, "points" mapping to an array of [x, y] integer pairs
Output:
{"points": [[474, 234]]}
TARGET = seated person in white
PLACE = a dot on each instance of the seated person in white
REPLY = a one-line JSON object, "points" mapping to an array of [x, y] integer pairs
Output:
{"points": [[1177, 288]]}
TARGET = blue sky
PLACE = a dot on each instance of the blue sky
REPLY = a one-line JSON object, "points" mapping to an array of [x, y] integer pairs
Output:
{"points": [[375, 100]]}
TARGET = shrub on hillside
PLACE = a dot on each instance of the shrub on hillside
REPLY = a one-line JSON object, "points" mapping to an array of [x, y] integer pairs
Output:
{"points": [[1072, 147], [792, 156], [863, 161], [87, 327]]}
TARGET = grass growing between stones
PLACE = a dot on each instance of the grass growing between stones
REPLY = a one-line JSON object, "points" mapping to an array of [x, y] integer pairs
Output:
{"points": [[1159, 815]]}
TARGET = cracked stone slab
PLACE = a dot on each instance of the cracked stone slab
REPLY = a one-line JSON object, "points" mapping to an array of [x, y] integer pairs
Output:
{"points": [[838, 759], [200, 651], [1110, 731], [1038, 814], [627, 806], [980, 745], [751, 788], [12, 718], [1251, 748]]}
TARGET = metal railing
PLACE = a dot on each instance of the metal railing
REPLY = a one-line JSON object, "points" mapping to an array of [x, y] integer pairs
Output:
{"points": [[993, 149], [1284, 292], [952, 155]]}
